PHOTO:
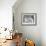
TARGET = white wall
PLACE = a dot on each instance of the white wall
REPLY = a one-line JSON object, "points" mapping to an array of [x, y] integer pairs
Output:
{"points": [[43, 22], [31, 32], [6, 13], [36, 33]]}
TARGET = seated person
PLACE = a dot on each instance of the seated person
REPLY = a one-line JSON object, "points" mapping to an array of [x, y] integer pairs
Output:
{"points": [[18, 40]]}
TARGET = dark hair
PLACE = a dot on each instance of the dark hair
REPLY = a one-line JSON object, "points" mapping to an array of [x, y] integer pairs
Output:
{"points": [[34, 44]]}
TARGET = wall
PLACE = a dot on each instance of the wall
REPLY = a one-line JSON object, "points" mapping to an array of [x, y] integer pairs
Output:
{"points": [[43, 22], [6, 13], [29, 32]]}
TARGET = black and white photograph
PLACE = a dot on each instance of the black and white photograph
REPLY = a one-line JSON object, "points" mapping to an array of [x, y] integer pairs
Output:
{"points": [[29, 19]]}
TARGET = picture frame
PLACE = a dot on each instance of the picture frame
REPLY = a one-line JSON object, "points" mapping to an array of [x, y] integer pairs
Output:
{"points": [[29, 19]]}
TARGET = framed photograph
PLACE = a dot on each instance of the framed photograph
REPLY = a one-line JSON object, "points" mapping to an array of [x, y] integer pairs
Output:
{"points": [[29, 19]]}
